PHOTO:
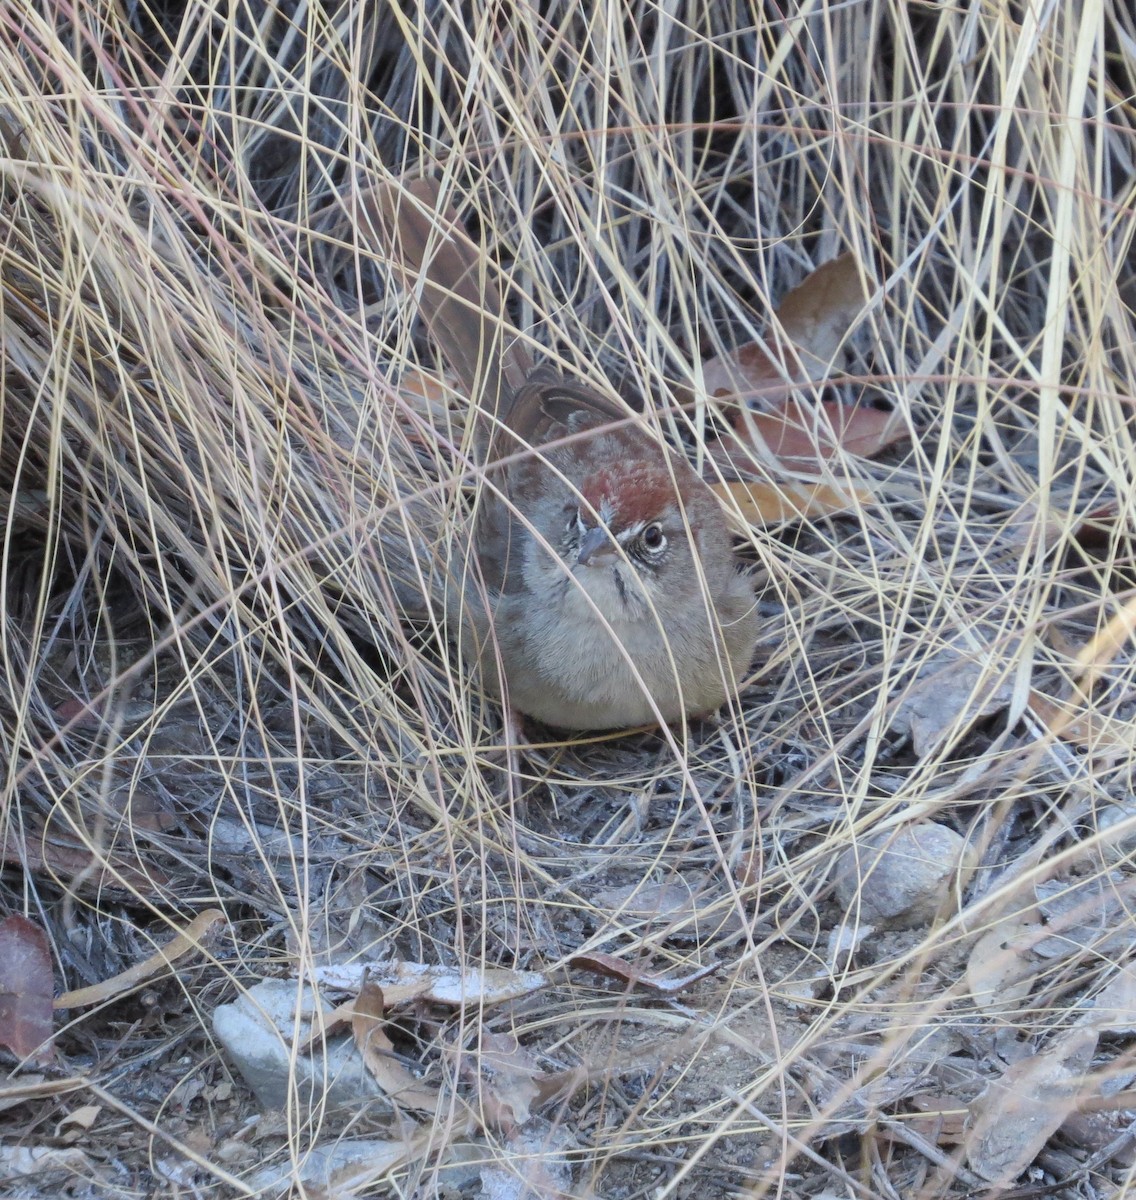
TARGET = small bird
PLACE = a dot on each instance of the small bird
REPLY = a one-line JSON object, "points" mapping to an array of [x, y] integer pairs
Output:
{"points": [[606, 593]]}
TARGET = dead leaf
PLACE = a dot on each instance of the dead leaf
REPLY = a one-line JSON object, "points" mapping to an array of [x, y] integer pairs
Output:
{"points": [[402, 982], [1075, 721], [367, 1027], [1000, 971], [942, 1120], [75, 1124], [178, 946], [1017, 1114], [768, 504], [812, 320], [817, 314], [955, 688], [64, 861], [563, 1085], [509, 1075], [1096, 526], [615, 968], [748, 374], [26, 986], [800, 435]]}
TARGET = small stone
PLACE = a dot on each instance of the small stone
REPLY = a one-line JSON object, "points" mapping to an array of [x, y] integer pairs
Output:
{"points": [[903, 878], [1117, 826]]}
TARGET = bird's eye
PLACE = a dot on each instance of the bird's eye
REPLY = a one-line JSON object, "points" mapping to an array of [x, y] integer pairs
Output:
{"points": [[653, 537]]}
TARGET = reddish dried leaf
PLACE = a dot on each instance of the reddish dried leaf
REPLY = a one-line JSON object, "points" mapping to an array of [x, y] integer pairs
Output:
{"points": [[813, 320], [1097, 526], [26, 986], [606, 965], [563, 1085], [804, 434], [943, 1121], [65, 862], [615, 968], [747, 374], [79, 714], [817, 314]]}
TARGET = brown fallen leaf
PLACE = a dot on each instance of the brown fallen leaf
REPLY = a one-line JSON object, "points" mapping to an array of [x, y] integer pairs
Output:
{"points": [[612, 967], [800, 435], [942, 1119], [812, 320], [747, 374], [1077, 722], [76, 1124], [65, 861], [1018, 1113], [769, 504], [190, 939], [562, 1085], [26, 985], [817, 314], [367, 1027]]}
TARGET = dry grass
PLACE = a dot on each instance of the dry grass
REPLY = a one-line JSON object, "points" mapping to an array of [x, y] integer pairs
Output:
{"points": [[210, 696]]}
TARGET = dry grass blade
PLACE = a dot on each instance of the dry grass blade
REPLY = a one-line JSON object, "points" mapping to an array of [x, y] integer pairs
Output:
{"points": [[231, 485]]}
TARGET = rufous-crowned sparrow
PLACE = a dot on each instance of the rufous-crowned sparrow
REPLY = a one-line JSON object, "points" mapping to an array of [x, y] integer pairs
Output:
{"points": [[606, 592]]}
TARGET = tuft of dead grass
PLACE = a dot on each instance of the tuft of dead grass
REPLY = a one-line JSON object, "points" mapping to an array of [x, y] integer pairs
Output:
{"points": [[224, 486]]}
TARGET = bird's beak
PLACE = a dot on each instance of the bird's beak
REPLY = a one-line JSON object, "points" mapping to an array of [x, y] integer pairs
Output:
{"points": [[596, 543]]}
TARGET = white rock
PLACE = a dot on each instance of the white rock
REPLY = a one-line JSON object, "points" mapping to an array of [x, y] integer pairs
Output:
{"points": [[256, 1031]]}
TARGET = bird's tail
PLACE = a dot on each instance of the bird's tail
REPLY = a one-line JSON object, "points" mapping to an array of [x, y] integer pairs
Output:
{"points": [[458, 296]]}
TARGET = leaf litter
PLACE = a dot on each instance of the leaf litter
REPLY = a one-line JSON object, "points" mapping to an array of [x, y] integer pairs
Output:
{"points": [[213, 450]]}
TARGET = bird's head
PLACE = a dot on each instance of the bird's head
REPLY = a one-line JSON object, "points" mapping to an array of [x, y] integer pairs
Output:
{"points": [[628, 517]]}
